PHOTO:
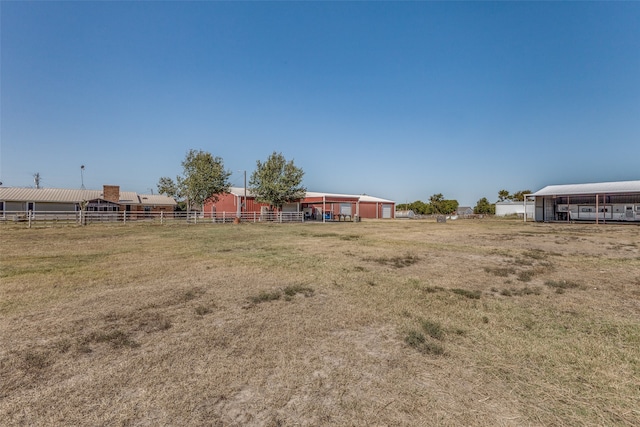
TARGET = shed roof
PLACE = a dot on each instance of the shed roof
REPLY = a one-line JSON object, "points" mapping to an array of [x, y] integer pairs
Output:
{"points": [[154, 199], [591, 188]]}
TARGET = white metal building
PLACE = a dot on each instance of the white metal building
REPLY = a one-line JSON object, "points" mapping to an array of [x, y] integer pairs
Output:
{"points": [[510, 207], [599, 202]]}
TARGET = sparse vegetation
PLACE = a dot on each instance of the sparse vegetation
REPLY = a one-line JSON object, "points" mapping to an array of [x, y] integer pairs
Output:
{"points": [[116, 338], [561, 285], [467, 293], [266, 296], [433, 329], [418, 341], [201, 310], [288, 292], [370, 323], [396, 261], [500, 271], [526, 275], [292, 290], [36, 360]]}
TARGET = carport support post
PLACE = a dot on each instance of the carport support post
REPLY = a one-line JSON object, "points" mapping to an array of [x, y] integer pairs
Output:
{"points": [[324, 208], [597, 208]]}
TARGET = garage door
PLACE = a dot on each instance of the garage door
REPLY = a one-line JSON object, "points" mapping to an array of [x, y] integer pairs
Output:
{"points": [[345, 209], [386, 211]]}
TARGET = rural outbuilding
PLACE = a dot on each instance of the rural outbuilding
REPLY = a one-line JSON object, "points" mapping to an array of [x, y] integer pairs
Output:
{"points": [[599, 202], [314, 206]]}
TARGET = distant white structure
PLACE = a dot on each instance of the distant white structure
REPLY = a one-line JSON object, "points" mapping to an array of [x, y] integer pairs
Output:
{"points": [[510, 207], [405, 214]]}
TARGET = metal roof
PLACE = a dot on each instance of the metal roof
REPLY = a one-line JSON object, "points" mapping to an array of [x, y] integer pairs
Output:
{"points": [[63, 195], [591, 188], [154, 199]]}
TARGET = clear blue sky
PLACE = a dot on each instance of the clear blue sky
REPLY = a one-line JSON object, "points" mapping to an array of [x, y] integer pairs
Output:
{"points": [[396, 100]]}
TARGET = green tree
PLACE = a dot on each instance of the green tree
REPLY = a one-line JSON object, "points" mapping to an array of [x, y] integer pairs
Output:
{"points": [[277, 181], [503, 195], [435, 204], [449, 206], [168, 187], [419, 207], [203, 179], [484, 207], [519, 196]]}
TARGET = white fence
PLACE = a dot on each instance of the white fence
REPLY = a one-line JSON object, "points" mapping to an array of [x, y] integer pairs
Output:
{"points": [[51, 218]]}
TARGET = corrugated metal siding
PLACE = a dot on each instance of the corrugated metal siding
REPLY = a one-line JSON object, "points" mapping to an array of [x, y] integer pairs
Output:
{"points": [[368, 210]]}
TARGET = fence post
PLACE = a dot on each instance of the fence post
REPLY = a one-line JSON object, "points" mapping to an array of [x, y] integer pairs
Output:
{"points": [[124, 217], [161, 217], [29, 214]]}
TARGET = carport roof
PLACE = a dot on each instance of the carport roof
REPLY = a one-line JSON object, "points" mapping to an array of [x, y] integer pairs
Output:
{"points": [[591, 188]]}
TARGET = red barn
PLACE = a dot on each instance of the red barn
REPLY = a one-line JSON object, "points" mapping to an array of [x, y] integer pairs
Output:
{"points": [[314, 206]]}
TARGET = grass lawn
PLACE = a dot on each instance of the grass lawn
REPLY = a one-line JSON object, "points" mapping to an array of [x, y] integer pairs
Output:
{"points": [[472, 322]]}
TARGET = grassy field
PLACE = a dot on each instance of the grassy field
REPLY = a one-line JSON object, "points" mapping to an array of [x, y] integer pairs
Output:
{"points": [[476, 322]]}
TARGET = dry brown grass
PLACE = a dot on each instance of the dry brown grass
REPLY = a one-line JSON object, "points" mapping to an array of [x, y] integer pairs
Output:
{"points": [[492, 323]]}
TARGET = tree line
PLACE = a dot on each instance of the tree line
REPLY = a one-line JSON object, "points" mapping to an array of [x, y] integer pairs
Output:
{"points": [[275, 181], [437, 204]]}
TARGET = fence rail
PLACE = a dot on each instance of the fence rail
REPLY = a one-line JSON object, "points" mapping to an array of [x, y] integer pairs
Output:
{"points": [[61, 218]]}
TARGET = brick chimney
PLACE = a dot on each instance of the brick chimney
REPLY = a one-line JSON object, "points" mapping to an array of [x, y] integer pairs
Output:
{"points": [[111, 193]]}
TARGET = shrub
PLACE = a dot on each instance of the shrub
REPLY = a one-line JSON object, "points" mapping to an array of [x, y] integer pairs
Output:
{"points": [[561, 285], [116, 338], [418, 341], [36, 360], [265, 296], [467, 293], [433, 329], [201, 310], [499, 271], [298, 289], [525, 276]]}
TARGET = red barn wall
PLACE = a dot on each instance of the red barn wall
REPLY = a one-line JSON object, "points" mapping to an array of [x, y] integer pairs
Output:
{"points": [[229, 203]]}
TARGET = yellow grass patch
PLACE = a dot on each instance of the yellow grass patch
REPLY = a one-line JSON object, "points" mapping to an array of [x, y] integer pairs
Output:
{"points": [[371, 323]]}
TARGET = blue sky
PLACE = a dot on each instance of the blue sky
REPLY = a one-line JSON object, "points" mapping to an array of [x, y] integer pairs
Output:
{"points": [[399, 100]]}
